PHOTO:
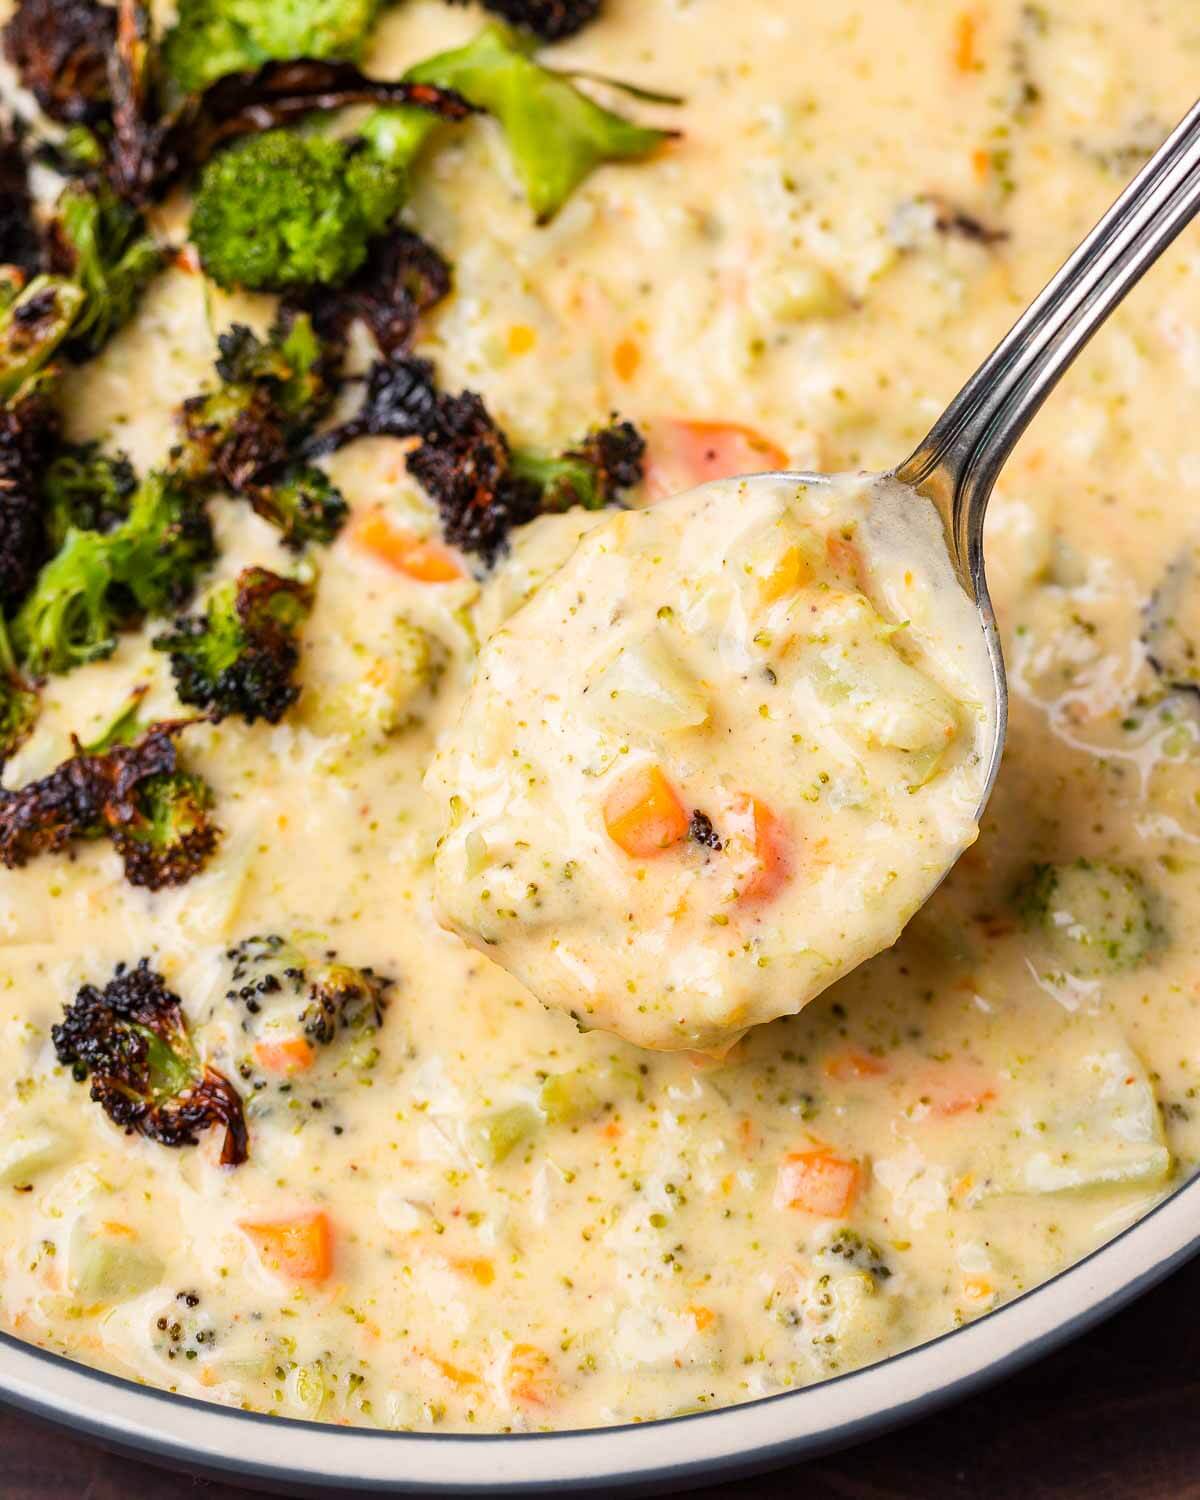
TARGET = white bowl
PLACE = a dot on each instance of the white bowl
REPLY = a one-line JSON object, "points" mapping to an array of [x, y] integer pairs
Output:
{"points": [[303, 1456]]}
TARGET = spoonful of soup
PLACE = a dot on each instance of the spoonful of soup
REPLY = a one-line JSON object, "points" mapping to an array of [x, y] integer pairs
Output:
{"points": [[731, 745]]}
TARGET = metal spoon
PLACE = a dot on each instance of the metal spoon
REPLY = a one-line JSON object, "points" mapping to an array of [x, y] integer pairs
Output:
{"points": [[956, 465]]}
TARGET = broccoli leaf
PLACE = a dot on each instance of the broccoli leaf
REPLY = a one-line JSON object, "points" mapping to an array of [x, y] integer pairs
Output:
{"points": [[102, 244], [86, 489]]}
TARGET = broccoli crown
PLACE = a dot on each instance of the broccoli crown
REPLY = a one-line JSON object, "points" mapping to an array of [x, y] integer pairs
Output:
{"points": [[102, 244], [550, 20], [85, 489], [19, 702], [128, 787], [98, 583], [238, 657], [402, 278], [329, 996], [280, 211], [592, 474], [20, 243], [28, 427], [32, 326], [304, 504], [60, 49], [213, 37], [132, 1041]]}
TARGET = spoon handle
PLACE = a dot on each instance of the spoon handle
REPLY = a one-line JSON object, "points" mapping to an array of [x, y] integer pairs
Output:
{"points": [[957, 463]]}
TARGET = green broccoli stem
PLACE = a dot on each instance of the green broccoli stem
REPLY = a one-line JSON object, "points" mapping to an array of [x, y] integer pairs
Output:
{"points": [[32, 326]]}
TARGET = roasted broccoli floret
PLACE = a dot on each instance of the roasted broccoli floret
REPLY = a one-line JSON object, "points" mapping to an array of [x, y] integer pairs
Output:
{"points": [[551, 20], [128, 787], [20, 242], [592, 474], [19, 703], [327, 996], [213, 37], [60, 49], [102, 244], [556, 134], [402, 278], [1093, 917], [86, 489], [33, 323], [239, 655], [131, 1040], [99, 583], [304, 503], [281, 210], [28, 428]]}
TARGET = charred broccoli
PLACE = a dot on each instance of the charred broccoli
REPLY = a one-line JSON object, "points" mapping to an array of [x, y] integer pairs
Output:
{"points": [[33, 323], [303, 503], [402, 278], [238, 657], [85, 489], [329, 996], [127, 786], [20, 243], [18, 699], [591, 475], [60, 50], [551, 20], [28, 427], [99, 583], [213, 37], [101, 244], [131, 1040]]}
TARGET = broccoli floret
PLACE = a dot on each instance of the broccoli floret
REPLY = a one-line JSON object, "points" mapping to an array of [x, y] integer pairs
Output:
{"points": [[86, 489], [60, 49], [328, 996], [19, 702], [127, 786], [280, 211], [213, 37], [99, 583], [102, 244], [1093, 917], [556, 134], [402, 278], [32, 326], [304, 504], [238, 657], [20, 243], [550, 20], [131, 1040], [591, 474], [28, 428]]}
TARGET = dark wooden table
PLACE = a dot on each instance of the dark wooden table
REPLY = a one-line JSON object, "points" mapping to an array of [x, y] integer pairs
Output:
{"points": [[1115, 1415]]}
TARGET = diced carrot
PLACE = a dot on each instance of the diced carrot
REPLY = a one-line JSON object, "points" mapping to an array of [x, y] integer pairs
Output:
{"points": [[981, 163], [819, 1182], [643, 815], [843, 555], [791, 572], [977, 1288], [772, 853], [682, 453], [454, 1373], [626, 359], [966, 31], [703, 1317], [289, 1055], [415, 556], [299, 1248], [528, 1377], [521, 339], [953, 1089], [853, 1063], [478, 1268]]}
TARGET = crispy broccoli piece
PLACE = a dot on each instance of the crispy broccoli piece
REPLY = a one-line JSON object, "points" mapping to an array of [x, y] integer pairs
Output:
{"points": [[402, 278], [556, 134], [19, 703], [60, 49], [99, 583], [131, 1040], [465, 463], [33, 323], [303, 503], [28, 428], [128, 787], [329, 996], [592, 474], [213, 37], [85, 489], [281, 210], [1093, 917], [550, 20], [102, 244], [238, 657], [20, 243]]}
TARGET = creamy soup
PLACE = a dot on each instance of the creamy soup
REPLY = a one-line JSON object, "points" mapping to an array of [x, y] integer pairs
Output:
{"points": [[465, 1213], [733, 778]]}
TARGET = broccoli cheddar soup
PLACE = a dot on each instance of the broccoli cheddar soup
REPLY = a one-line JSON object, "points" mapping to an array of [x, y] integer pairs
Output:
{"points": [[722, 652], [389, 648]]}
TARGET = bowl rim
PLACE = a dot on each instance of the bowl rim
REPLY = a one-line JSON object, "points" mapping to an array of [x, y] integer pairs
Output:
{"points": [[233, 1444]]}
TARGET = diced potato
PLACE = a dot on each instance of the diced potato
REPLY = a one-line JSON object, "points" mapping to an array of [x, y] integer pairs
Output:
{"points": [[29, 1152], [108, 1267], [647, 687], [567, 1098], [495, 1136], [798, 292]]}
